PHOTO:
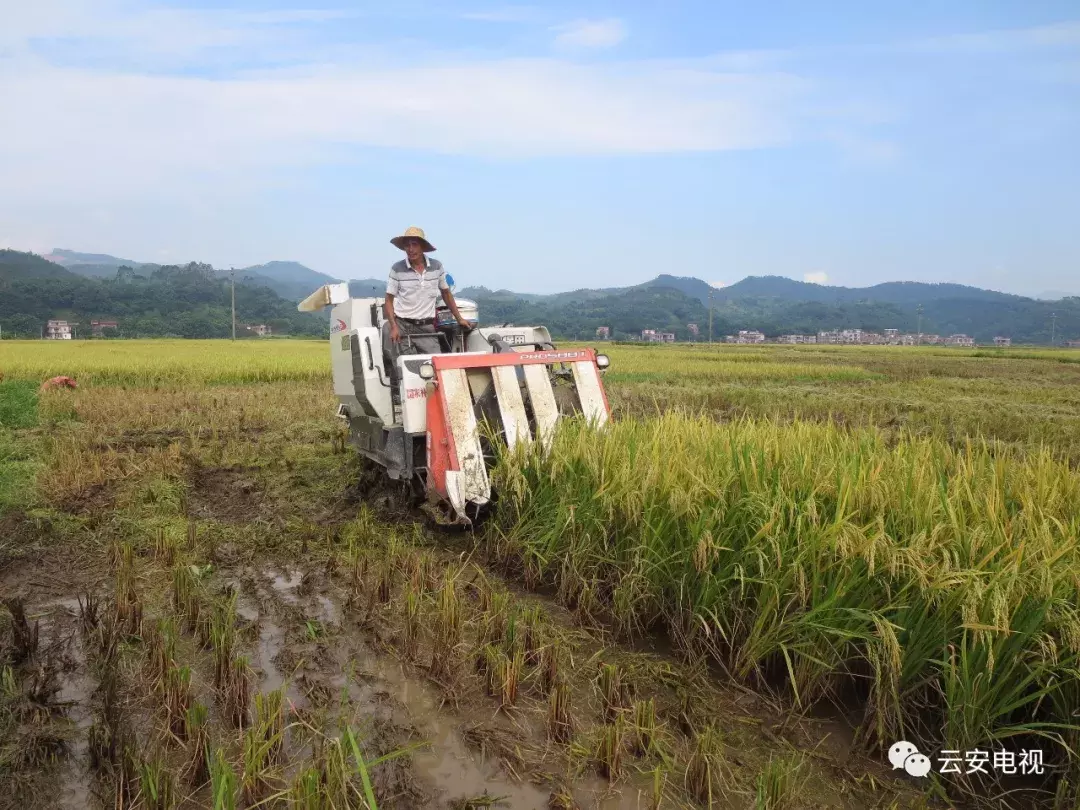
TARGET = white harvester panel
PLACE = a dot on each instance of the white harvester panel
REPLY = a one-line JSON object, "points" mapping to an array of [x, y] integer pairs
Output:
{"points": [[543, 402], [470, 483], [591, 394], [360, 381], [413, 394], [511, 406]]}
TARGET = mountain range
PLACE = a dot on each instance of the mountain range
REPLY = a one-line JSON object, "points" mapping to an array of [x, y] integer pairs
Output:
{"points": [[773, 304]]}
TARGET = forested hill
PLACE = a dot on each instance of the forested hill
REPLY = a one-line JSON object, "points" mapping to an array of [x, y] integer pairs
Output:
{"points": [[193, 300], [776, 306], [185, 301]]}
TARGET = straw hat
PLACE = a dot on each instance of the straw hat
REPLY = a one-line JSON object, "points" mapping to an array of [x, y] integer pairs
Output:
{"points": [[412, 233]]}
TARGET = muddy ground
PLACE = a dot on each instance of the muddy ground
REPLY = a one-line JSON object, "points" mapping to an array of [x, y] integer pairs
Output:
{"points": [[219, 606]]}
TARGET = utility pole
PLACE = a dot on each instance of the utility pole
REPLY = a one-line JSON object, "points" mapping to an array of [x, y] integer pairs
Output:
{"points": [[232, 284], [918, 329], [1053, 327], [710, 313]]}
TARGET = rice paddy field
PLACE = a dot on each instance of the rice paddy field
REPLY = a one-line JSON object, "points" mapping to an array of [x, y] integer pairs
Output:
{"points": [[775, 563]]}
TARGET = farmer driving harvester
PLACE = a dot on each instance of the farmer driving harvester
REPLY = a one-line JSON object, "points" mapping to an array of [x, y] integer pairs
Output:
{"points": [[412, 292], [418, 414]]}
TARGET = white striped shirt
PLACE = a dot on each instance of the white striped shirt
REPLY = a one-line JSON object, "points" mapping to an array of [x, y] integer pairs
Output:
{"points": [[415, 293]]}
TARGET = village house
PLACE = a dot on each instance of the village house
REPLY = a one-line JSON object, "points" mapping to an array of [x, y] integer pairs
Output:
{"points": [[748, 336], [58, 330], [654, 336], [97, 328], [959, 340], [603, 332], [1002, 341], [262, 330]]}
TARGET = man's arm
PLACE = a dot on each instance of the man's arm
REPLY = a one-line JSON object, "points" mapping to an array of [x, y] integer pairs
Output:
{"points": [[388, 307]]}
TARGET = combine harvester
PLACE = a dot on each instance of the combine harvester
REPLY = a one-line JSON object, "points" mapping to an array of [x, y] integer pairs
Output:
{"points": [[420, 419]]}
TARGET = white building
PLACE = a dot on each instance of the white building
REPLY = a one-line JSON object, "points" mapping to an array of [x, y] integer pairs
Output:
{"points": [[959, 340], [750, 336], [58, 330]]}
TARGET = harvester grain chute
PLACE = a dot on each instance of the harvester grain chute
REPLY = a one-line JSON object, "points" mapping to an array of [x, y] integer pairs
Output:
{"points": [[420, 419]]}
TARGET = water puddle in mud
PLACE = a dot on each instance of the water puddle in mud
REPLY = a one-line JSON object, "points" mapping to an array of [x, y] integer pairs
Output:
{"points": [[285, 584], [76, 688], [446, 763], [329, 611], [380, 691]]}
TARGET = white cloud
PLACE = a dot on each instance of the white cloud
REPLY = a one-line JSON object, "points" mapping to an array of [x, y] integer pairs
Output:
{"points": [[590, 33], [718, 284], [111, 132], [507, 14], [815, 278], [1065, 34]]}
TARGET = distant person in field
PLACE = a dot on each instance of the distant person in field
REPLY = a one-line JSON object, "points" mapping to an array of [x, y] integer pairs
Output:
{"points": [[412, 293]]}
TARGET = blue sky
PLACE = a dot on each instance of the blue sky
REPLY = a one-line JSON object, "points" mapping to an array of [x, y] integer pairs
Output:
{"points": [[553, 146]]}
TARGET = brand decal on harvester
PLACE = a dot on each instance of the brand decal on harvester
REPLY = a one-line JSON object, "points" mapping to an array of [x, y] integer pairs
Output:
{"points": [[415, 393], [553, 356], [339, 326]]}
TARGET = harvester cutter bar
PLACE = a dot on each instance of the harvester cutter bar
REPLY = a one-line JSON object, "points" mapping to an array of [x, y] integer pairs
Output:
{"points": [[456, 466]]}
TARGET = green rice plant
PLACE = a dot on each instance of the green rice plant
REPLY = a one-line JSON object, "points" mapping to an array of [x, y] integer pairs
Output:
{"points": [[532, 633], [612, 691], [448, 628], [223, 786], [560, 720], [412, 623], [160, 640], [259, 773], [129, 607], [807, 560], [780, 783], [164, 548], [306, 792], [187, 598], [504, 674], [609, 749], [270, 721], [550, 657], [237, 693], [178, 699], [196, 768], [493, 624], [659, 782], [223, 639], [363, 767], [643, 731], [157, 787], [335, 786], [706, 772]]}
